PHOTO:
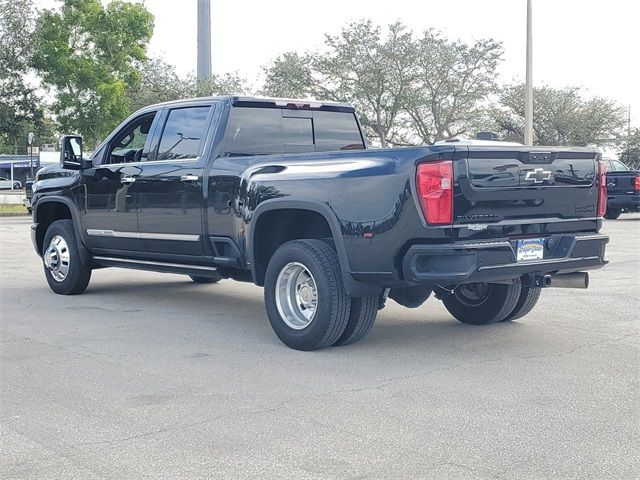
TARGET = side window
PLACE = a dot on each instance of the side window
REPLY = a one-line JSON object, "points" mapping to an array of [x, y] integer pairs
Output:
{"points": [[336, 131], [253, 131], [183, 133], [129, 144]]}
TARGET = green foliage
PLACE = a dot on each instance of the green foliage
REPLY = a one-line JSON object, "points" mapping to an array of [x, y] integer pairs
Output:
{"points": [[159, 82], [629, 150], [560, 116], [21, 110], [406, 89], [454, 81], [89, 55], [288, 76]]}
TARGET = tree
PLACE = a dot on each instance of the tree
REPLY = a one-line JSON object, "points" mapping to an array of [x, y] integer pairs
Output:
{"points": [[560, 116], [89, 56], [159, 82], [629, 150], [453, 83], [372, 74], [225, 84], [406, 90], [21, 111], [289, 76]]}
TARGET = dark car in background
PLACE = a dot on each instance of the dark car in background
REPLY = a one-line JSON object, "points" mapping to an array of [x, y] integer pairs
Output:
{"points": [[623, 189]]}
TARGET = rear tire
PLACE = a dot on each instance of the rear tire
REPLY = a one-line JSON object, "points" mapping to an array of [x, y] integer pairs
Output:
{"points": [[528, 299], [483, 303], [304, 295], [64, 270], [612, 213], [203, 279], [364, 311]]}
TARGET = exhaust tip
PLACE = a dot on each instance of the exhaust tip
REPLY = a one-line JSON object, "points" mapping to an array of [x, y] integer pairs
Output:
{"points": [[569, 280]]}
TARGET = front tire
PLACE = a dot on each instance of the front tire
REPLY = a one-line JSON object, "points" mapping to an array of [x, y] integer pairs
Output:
{"points": [[304, 295], [483, 303], [64, 270], [612, 213]]}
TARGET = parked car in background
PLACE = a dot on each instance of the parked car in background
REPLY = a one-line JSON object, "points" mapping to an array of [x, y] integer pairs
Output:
{"points": [[623, 189], [8, 184]]}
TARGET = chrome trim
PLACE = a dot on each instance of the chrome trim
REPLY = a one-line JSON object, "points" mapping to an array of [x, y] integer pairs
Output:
{"points": [[149, 262], [143, 235], [189, 178], [150, 162]]}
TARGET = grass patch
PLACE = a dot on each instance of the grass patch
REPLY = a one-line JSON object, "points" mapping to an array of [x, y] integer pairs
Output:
{"points": [[11, 209]]}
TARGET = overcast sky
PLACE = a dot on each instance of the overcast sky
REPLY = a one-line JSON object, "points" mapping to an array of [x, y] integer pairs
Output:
{"points": [[589, 43]]}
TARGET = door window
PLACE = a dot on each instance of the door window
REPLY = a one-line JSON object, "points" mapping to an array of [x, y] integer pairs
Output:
{"points": [[129, 144], [183, 133]]}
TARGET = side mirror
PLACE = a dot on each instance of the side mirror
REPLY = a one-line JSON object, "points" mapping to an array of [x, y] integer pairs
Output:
{"points": [[71, 152]]}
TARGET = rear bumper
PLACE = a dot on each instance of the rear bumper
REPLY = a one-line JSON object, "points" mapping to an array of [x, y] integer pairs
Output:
{"points": [[629, 202], [467, 262]]}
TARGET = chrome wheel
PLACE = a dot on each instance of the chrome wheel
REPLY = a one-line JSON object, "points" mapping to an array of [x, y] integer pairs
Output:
{"points": [[56, 258], [296, 295], [473, 294]]}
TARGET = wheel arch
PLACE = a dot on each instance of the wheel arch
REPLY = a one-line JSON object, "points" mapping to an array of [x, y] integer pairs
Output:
{"points": [[49, 209], [302, 206]]}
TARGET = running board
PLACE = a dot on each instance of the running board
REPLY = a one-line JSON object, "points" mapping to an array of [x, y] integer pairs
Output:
{"points": [[154, 266]]}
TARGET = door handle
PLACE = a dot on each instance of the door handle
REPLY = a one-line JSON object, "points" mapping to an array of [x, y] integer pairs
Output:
{"points": [[611, 185], [127, 180], [189, 178]]}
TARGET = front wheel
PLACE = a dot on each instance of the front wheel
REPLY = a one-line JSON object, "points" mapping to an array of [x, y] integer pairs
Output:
{"points": [[304, 295], [483, 303], [612, 213], [64, 270], [17, 186]]}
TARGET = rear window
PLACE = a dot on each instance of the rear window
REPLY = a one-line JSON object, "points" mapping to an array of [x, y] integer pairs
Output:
{"points": [[264, 131], [336, 131], [617, 166]]}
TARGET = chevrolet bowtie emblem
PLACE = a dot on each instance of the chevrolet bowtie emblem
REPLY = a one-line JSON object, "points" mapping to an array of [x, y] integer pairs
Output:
{"points": [[537, 175]]}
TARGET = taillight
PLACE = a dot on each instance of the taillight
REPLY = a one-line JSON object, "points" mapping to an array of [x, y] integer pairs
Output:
{"points": [[602, 188], [636, 183], [434, 181]]}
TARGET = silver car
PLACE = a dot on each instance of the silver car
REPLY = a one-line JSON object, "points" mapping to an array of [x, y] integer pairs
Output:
{"points": [[7, 184]]}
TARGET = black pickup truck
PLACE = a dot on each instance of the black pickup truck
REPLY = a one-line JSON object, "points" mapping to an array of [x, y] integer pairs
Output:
{"points": [[288, 195], [623, 189]]}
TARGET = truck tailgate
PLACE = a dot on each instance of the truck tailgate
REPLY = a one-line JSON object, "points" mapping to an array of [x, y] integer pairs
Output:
{"points": [[520, 183]]}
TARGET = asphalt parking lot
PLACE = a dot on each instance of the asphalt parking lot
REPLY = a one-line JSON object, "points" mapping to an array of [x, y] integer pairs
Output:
{"points": [[151, 376]]}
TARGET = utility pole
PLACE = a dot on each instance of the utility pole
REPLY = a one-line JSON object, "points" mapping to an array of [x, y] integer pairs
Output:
{"points": [[204, 40], [629, 134], [528, 89]]}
